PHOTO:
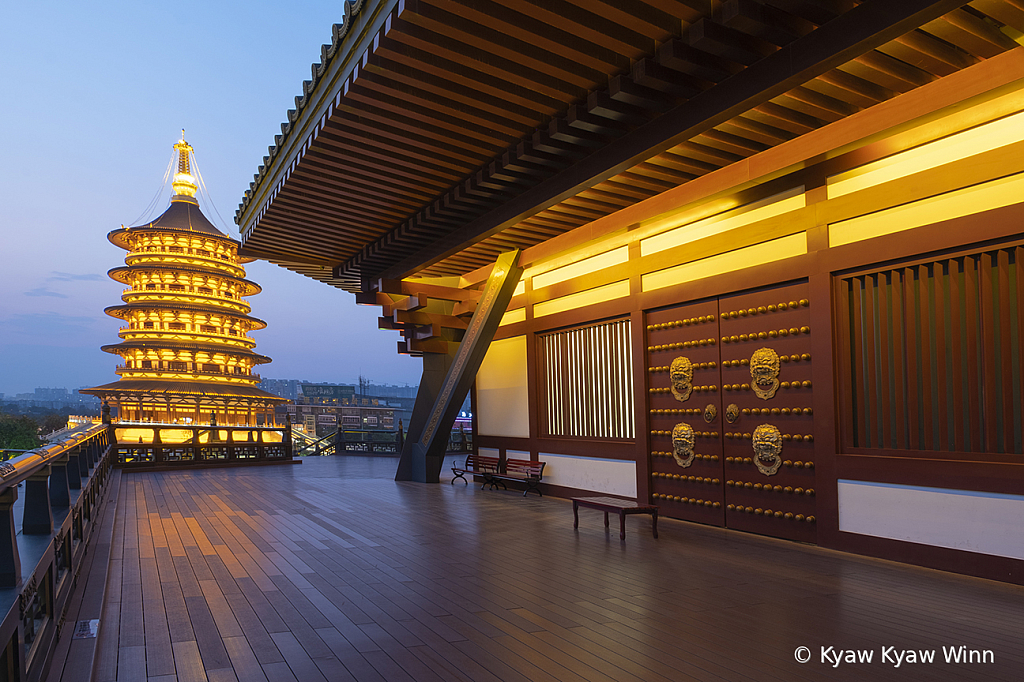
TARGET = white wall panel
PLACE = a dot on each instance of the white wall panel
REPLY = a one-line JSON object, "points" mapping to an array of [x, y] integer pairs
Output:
{"points": [[611, 476], [989, 523]]}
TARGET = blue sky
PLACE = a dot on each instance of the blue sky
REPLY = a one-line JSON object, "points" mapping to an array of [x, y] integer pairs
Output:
{"points": [[93, 97]]}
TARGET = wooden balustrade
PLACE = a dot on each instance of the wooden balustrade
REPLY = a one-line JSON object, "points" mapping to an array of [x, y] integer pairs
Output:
{"points": [[63, 491], [207, 445]]}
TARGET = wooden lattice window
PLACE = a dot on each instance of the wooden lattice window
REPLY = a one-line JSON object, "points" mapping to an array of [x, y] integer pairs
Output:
{"points": [[934, 354], [586, 381]]}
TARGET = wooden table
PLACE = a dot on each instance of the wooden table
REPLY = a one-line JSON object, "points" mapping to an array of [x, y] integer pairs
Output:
{"points": [[622, 507]]}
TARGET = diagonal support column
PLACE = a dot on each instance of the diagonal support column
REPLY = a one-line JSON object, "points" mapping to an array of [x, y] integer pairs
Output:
{"points": [[438, 401]]}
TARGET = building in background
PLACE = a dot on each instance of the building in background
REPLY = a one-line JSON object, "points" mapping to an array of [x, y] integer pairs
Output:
{"points": [[284, 388], [185, 349]]}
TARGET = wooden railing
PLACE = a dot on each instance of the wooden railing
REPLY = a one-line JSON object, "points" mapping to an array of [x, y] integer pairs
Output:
{"points": [[163, 445], [353, 442], [63, 486]]}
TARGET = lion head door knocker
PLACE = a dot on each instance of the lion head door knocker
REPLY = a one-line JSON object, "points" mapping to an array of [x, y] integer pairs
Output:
{"points": [[764, 372], [681, 375], [732, 413], [767, 449], [682, 444], [710, 412]]}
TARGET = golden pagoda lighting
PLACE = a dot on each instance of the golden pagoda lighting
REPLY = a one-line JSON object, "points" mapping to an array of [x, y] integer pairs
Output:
{"points": [[186, 353]]}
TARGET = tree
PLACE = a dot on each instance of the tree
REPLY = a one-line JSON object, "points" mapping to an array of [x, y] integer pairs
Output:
{"points": [[18, 433], [53, 422]]}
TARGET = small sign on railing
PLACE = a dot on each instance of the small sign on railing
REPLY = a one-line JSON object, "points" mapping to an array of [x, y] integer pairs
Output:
{"points": [[87, 629]]}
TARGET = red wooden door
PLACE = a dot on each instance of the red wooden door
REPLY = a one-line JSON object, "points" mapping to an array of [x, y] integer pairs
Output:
{"points": [[748, 359], [684, 486], [766, 374]]}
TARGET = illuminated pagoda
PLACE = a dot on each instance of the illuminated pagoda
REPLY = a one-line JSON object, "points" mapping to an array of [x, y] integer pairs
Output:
{"points": [[185, 349]]}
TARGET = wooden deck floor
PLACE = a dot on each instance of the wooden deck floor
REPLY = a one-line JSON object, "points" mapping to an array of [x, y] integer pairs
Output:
{"points": [[332, 571]]}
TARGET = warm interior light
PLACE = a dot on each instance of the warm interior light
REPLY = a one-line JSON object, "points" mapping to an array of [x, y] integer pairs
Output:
{"points": [[739, 259], [770, 207], [513, 317], [600, 294], [959, 146], [983, 197], [582, 267]]}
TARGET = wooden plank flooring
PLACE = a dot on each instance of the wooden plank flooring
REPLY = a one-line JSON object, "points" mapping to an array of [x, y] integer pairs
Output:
{"points": [[331, 570]]}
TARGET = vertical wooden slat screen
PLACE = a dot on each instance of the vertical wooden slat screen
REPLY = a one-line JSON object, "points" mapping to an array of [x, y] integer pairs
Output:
{"points": [[588, 389], [936, 355]]}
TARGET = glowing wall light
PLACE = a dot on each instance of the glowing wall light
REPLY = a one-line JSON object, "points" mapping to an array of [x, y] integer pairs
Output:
{"points": [[966, 144], [765, 252], [779, 204]]}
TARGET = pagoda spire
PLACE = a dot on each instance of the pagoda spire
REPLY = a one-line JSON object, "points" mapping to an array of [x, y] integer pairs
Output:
{"points": [[184, 183]]}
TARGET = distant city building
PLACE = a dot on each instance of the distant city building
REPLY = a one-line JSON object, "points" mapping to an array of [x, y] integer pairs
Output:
{"points": [[185, 350], [51, 394], [285, 388]]}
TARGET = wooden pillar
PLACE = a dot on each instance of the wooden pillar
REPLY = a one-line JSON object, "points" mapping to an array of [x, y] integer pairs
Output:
{"points": [[60, 495], [38, 518], [10, 560], [438, 401]]}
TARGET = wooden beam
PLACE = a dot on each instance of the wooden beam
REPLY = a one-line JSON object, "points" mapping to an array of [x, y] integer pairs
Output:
{"points": [[850, 35]]}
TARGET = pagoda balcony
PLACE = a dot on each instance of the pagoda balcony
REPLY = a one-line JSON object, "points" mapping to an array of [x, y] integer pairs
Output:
{"points": [[184, 375], [169, 261], [225, 301], [157, 335], [181, 251]]}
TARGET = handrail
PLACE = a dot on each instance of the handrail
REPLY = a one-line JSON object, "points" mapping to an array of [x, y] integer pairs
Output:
{"points": [[317, 443], [21, 468]]}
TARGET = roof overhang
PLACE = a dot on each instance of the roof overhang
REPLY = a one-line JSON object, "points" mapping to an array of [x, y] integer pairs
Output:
{"points": [[436, 134]]}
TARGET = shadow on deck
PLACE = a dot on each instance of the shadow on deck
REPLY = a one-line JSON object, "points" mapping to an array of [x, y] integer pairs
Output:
{"points": [[333, 571]]}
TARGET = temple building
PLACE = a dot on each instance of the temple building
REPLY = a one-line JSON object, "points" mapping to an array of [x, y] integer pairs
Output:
{"points": [[757, 263], [186, 354]]}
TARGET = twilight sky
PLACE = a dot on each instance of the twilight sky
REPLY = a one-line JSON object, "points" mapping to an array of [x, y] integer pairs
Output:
{"points": [[93, 97]]}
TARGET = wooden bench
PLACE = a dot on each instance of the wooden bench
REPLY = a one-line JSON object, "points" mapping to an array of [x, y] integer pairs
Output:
{"points": [[477, 465], [495, 472], [523, 470], [612, 504]]}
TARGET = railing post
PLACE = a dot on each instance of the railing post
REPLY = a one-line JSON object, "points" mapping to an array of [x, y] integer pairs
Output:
{"points": [[73, 471], [287, 436], [10, 560], [158, 452], [60, 495], [83, 462], [38, 519]]}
